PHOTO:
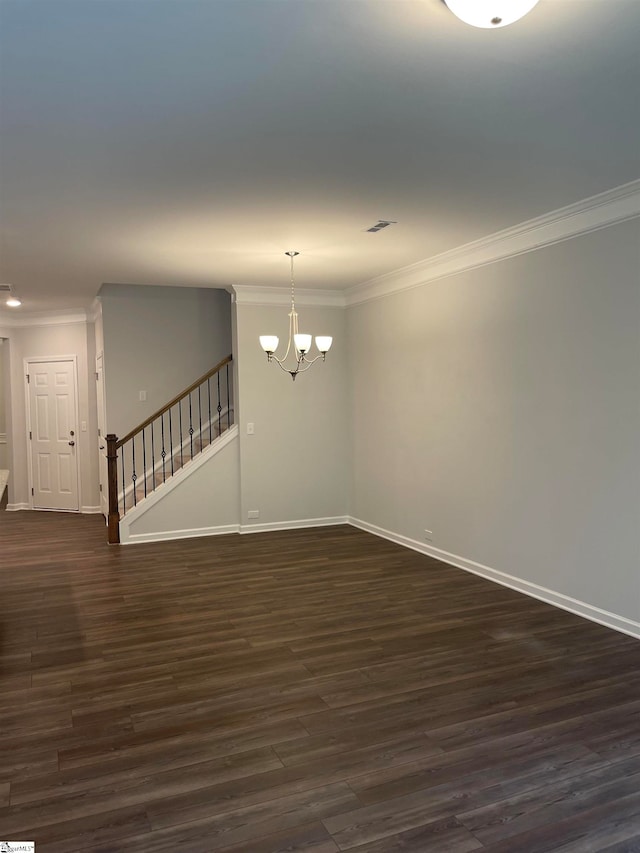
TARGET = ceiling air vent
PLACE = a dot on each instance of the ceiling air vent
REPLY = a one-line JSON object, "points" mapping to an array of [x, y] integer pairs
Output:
{"points": [[380, 224], [5, 288]]}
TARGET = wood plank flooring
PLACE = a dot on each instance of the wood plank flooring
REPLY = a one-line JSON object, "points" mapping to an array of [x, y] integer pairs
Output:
{"points": [[314, 691]]}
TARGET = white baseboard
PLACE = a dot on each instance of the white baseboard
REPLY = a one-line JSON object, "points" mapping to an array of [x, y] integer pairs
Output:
{"points": [[164, 535], [293, 525], [557, 599], [21, 506], [90, 510]]}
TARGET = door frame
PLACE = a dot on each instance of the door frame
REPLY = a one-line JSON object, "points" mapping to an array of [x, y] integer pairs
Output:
{"points": [[40, 359], [101, 409]]}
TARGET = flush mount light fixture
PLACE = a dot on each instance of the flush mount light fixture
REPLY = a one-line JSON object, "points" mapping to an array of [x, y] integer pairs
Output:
{"points": [[12, 300], [301, 343], [490, 14]]}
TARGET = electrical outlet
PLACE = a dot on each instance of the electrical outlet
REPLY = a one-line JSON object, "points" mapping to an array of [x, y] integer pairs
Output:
{"points": [[253, 513], [428, 535], [250, 429]]}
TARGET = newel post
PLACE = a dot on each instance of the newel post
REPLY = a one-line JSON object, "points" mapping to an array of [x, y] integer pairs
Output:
{"points": [[113, 522]]}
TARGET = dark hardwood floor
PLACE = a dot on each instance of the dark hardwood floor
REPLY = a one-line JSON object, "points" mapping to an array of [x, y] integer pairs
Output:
{"points": [[314, 691]]}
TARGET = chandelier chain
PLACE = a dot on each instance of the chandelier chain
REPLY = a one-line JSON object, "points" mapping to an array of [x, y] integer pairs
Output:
{"points": [[293, 301]]}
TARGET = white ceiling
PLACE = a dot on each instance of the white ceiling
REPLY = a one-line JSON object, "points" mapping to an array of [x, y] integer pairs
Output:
{"points": [[192, 142]]}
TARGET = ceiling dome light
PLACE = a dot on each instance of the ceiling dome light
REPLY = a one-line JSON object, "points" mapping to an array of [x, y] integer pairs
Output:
{"points": [[490, 14], [13, 302]]}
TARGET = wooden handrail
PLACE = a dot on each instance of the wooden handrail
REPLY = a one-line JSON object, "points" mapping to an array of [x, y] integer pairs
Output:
{"points": [[173, 402]]}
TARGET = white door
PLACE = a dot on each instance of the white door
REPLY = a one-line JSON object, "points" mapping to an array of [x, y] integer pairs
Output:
{"points": [[102, 440], [53, 433]]}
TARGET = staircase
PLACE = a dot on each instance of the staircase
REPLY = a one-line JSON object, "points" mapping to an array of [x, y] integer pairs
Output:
{"points": [[166, 442], [178, 459]]}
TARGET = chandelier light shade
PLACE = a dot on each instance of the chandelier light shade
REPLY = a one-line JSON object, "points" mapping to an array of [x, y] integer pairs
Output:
{"points": [[490, 14], [299, 343]]}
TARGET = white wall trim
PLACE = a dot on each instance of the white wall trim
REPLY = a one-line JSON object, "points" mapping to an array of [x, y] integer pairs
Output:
{"points": [[293, 525], [42, 319], [549, 596], [17, 507], [90, 510], [281, 296], [163, 535], [599, 211], [95, 310], [223, 529]]}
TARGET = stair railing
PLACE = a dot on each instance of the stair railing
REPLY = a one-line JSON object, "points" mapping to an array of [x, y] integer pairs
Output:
{"points": [[152, 452]]}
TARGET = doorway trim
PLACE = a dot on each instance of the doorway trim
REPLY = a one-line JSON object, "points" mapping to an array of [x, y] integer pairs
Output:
{"points": [[101, 412], [39, 359]]}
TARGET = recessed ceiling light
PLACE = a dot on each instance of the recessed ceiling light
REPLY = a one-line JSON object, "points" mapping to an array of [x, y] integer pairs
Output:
{"points": [[12, 300]]}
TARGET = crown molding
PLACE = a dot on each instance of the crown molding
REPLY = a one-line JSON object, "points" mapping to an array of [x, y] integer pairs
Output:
{"points": [[49, 318], [95, 310], [281, 296], [598, 211]]}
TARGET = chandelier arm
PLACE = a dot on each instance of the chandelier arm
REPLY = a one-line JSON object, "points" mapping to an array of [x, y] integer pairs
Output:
{"points": [[298, 369], [307, 365], [293, 325], [280, 364]]}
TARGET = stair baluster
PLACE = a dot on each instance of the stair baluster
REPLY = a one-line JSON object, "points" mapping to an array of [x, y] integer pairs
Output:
{"points": [[123, 451]]}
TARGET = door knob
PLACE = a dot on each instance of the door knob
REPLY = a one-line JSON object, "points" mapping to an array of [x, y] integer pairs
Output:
{"points": [[71, 443]]}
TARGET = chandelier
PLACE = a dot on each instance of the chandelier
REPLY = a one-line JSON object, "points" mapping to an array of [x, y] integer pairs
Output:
{"points": [[490, 14], [301, 342]]}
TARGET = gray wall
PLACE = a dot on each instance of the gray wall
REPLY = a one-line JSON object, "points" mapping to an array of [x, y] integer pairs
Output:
{"points": [[296, 464], [500, 408], [158, 340]]}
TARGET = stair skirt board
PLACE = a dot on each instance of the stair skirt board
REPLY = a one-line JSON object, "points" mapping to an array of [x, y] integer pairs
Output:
{"points": [[180, 450], [172, 482]]}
